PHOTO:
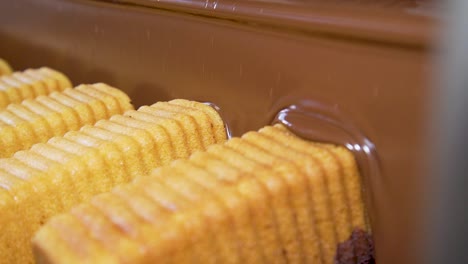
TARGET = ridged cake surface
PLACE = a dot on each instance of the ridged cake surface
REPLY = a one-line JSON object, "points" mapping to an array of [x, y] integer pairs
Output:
{"points": [[31, 83], [267, 197], [52, 177], [39, 119]]}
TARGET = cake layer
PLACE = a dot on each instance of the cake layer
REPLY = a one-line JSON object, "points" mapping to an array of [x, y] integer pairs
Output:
{"points": [[39, 119], [4, 68], [267, 197], [30, 83], [51, 177]]}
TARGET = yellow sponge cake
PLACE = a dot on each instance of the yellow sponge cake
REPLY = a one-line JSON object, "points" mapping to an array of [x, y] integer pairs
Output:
{"points": [[39, 119], [267, 197], [4, 68], [30, 83], [52, 177]]}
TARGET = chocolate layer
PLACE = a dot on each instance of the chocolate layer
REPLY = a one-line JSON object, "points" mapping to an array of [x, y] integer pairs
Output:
{"points": [[358, 249]]}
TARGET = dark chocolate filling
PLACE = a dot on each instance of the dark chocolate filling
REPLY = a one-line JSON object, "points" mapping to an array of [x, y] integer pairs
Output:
{"points": [[358, 249]]}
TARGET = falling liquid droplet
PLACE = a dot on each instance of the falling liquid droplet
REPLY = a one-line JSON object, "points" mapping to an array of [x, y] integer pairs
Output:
{"points": [[148, 34]]}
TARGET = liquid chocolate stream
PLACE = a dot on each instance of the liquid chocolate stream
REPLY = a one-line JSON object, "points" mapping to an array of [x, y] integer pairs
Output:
{"points": [[220, 112], [320, 122], [316, 121]]}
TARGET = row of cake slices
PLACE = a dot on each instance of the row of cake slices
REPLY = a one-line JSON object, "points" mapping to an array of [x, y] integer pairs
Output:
{"points": [[37, 120], [267, 197], [80, 142], [18, 86], [50, 178]]}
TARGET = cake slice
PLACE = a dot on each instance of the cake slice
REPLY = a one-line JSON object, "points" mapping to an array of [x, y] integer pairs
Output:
{"points": [[349, 179], [244, 240], [30, 83], [217, 216], [267, 197], [39, 119], [72, 168], [4, 68], [329, 203], [285, 232]]}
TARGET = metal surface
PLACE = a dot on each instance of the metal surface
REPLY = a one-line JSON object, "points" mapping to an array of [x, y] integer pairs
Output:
{"points": [[365, 65], [446, 236]]}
